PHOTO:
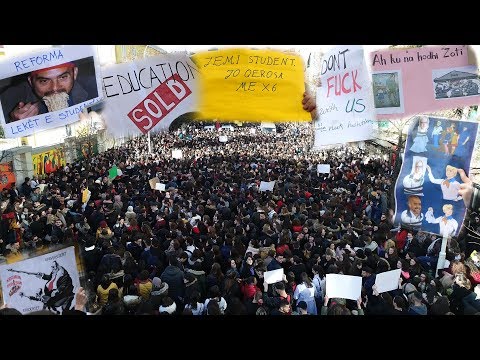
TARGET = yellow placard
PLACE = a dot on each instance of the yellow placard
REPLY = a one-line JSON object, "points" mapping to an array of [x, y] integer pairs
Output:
{"points": [[251, 85], [86, 195]]}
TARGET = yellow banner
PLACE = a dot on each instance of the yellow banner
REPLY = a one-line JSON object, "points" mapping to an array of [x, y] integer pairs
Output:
{"points": [[251, 85], [48, 161]]}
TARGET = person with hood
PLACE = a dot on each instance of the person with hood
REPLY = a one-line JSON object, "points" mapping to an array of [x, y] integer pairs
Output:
{"points": [[197, 307], [191, 286], [201, 277], [158, 293], [129, 215], [103, 232], [114, 305], [173, 276], [417, 307]]}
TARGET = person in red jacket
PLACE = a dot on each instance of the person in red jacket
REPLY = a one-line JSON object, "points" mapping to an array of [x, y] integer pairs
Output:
{"points": [[249, 288]]}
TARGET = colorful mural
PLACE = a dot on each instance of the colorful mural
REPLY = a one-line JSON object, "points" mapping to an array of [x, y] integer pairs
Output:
{"points": [[7, 176], [48, 161], [87, 148]]}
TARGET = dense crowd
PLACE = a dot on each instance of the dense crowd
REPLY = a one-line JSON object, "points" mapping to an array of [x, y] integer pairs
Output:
{"points": [[202, 246]]}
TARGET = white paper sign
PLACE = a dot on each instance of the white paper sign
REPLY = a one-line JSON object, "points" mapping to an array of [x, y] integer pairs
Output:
{"points": [[323, 168], [160, 186], [387, 281], [223, 138], [343, 286], [274, 276], [48, 281], [267, 185], [177, 154], [42, 187], [30, 106], [345, 99]]}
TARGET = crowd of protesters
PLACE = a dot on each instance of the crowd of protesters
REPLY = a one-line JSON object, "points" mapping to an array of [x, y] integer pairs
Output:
{"points": [[201, 247]]}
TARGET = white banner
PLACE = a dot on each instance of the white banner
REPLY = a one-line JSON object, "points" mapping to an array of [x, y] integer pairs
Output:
{"points": [[343, 286], [387, 281], [323, 168], [267, 185], [142, 96], [47, 89], [345, 100], [223, 138], [48, 281]]}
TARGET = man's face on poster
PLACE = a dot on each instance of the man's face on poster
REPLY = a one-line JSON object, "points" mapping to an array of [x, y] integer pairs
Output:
{"points": [[51, 81], [55, 267], [415, 205]]}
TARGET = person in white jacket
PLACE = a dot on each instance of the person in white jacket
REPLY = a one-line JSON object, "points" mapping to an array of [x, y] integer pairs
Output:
{"points": [[305, 291]]}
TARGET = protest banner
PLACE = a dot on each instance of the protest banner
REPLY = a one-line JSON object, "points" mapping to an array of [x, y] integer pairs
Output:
{"points": [[426, 190], [48, 88], [48, 282], [251, 85], [344, 101], [148, 94], [417, 80]]}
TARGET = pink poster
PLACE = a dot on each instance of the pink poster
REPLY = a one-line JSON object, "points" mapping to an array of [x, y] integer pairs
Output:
{"points": [[412, 81]]}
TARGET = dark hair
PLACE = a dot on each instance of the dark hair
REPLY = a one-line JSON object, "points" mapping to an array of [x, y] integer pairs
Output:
{"points": [[400, 301], [105, 282], [337, 309], [9, 311], [113, 294], [213, 308]]}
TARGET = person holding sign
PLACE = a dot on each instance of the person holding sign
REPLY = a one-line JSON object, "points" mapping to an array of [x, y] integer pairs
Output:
{"points": [[50, 89], [309, 104]]}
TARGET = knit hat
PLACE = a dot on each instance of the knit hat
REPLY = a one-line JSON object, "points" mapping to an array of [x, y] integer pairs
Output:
{"points": [[156, 282], [103, 224], [130, 208]]}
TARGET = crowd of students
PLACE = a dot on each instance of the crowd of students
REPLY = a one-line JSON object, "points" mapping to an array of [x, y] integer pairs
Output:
{"points": [[201, 247]]}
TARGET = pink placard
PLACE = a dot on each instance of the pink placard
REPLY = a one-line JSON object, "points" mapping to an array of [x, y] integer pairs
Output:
{"points": [[414, 72]]}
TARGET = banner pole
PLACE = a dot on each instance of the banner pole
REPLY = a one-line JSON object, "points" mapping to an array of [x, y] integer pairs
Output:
{"points": [[149, 143], [442, 255]]}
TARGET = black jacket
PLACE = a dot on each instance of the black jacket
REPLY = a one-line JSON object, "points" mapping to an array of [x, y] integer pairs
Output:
{"points": [[173, 276]]}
